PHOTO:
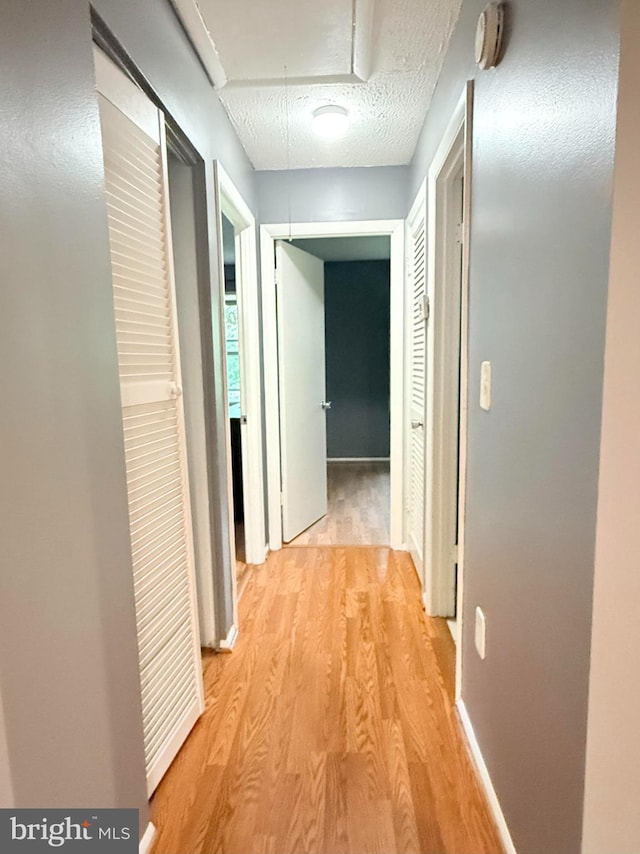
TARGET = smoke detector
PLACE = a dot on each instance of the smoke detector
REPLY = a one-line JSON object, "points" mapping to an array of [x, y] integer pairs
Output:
{"points": [[489, 36]]}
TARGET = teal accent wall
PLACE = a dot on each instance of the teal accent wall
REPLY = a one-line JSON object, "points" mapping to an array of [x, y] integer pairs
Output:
{"points": [[357, 305]]}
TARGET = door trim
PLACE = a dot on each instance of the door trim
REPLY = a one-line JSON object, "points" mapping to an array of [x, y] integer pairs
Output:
{"points": [[233, 206], [451, 321], [269, 233], [116, 88], [444, 276], [418, 209]]}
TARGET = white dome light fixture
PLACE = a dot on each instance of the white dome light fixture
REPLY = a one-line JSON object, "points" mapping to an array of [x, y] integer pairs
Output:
{"points": [[330, 121]]}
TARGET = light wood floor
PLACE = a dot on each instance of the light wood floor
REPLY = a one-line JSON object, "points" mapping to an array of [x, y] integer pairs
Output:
{"points": [[358, 507], [330, 729]]}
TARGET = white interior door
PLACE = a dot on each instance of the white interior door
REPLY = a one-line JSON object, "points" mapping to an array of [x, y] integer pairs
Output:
{"points": [[152, 415], [303, 429], [418, 317]]}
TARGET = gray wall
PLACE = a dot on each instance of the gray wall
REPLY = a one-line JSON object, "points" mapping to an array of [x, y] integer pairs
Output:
{"points": [[357, 304], [542, 182], [333, 195], [68, 656]]}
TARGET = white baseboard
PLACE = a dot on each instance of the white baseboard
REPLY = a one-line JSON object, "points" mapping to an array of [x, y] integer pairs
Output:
{"points": [[229, 642], [261, 554], [147, 840], [358, 459], [485, 779]]}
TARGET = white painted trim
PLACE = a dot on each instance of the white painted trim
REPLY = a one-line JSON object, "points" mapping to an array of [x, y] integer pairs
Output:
{"points": [[417, 212], [114, 85], [269, 233], [363, 13], [485, 779], [204, 44], [443, 349], [396, 398], [172, 747], [146, 843], [189, 533], [228, 643], [464, 377], [358, 459], [360, 228], [236, 210]]}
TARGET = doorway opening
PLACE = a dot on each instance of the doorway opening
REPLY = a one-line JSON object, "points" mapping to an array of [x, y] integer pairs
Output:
{"points": [[154, 420], [322, 451], [238, 263], [357, 379], [232, 337], [449, 205]]}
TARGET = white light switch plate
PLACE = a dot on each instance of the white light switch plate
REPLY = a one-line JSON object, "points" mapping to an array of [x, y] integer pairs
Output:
{"points": [[485, 386], [481, 632]]}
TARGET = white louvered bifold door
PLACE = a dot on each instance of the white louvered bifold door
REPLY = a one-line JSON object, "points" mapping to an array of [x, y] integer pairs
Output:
{"points": [[152, 416], [417, 268]]}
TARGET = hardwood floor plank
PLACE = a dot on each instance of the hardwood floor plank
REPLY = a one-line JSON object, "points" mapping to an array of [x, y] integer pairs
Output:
{"points": [[336, 833], [429, 825], [403, 812], [330, 729]]}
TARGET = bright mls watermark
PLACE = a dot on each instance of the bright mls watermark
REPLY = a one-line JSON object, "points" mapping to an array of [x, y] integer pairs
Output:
{"points": [[69, 830]]}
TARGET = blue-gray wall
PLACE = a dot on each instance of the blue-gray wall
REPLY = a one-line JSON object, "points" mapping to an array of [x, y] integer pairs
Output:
{"points": [[333, 195], [356, 301], [543, 150]]}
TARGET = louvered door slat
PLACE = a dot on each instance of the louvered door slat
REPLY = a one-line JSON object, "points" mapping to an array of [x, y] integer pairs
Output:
{"points": [[132, 242], [156, 687], [159, 515], [132, 278], [145, 202], [149, 546], [156, 651]]}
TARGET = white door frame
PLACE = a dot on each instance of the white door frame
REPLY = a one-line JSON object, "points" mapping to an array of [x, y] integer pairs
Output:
{"points": [[233, 206], [446, 342], [417, 211], [281, 231]]}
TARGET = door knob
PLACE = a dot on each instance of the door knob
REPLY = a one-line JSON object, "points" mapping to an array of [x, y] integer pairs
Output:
{"points": [[416, 424], [326, 404]]}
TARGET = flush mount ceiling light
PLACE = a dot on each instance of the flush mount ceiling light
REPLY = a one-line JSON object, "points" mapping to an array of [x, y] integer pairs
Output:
{"points": [[330, 121]]}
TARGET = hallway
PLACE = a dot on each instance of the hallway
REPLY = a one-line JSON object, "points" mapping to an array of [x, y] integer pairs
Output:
{"points": [[358, 506], [330, 728]]}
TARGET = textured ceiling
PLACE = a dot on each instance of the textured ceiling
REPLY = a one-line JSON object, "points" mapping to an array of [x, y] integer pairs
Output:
{"points": [[380, 59]]}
